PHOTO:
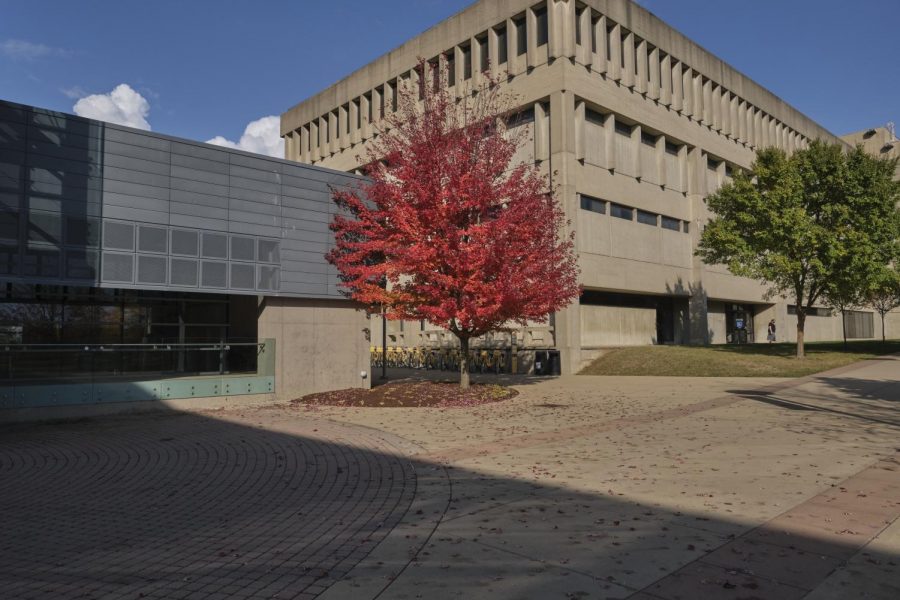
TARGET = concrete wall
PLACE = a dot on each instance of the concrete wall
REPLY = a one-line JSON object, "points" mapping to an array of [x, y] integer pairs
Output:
{"points": [[685, 118], [320, 345], [617, 326]]}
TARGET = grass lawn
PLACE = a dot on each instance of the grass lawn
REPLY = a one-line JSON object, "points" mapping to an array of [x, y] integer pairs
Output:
{"points": [[751, 360]]}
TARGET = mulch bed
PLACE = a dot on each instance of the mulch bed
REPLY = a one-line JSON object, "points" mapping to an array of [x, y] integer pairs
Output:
{"points": [[411, 394]]}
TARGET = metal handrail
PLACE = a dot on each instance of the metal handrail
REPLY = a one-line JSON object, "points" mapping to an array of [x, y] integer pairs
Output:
{"points": [[159, 347]]}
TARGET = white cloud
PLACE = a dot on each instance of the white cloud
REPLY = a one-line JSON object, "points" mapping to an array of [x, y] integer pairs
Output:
{"points": [[74, 92], [260, 136], [22, 50], [123, 106]]}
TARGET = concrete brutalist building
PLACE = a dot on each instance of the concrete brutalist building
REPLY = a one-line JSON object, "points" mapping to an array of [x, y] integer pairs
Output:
{"points": [[639, 124], [137, 268]]}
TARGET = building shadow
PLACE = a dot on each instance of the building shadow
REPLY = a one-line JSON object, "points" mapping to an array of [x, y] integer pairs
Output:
{"points": [[182, 505]]}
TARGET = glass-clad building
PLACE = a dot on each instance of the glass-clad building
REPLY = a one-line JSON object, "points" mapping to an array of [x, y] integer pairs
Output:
{"points": [[139, 267]]}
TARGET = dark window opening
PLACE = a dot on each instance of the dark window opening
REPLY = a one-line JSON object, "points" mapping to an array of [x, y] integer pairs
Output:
{"points": [[593, 204], [543, 29], [467, 61], [672, 148], [621, 212], [501, 45], [484, 58], [592, 116], [647, 218], [578, 25], [521, 36], [648, 139], [670, 223], [451, 69], [623, 128]]}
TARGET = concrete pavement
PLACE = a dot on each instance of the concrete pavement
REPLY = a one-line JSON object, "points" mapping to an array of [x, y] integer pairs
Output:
{"points": [[580, 487]]}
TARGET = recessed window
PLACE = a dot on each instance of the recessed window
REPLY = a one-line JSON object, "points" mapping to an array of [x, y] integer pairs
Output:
{"points": [[621, 212], [592, 116], [729, 172], [647, 218], [543, 29], [670, 223], [484, 57], [521, 36], [648, 138], [687, 226], [578, 25], [623, 128], [672, 148], [451, 68], [467, 61], [501, 45], [593, 204]]}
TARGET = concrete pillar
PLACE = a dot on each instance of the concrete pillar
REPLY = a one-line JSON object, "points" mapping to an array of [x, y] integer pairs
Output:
{"points": [[289, 146], [344, 126], [716, 108], [641, 74], [665, 80], [628, 52], [600, 41], [561, 24], [615, 54], [683, 165], [705, 111], [304, 144], [654, 75], [562, 163], [531, 53], [323, 136], [331, 145], [609, 132], [697, 91], [355, 122], [579, 130], [541, 132], [512, 57], [677, 102], [585, 54], [687, 91]]}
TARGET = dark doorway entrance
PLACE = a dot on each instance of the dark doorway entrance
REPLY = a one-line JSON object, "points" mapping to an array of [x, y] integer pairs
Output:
{"points": [[738, 323]]}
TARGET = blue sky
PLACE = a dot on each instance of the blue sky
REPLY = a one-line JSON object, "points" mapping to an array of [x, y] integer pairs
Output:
{"points": [[200, 69]]}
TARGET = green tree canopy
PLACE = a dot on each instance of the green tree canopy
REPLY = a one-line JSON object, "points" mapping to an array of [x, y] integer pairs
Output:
{"points": [[813, 226]]}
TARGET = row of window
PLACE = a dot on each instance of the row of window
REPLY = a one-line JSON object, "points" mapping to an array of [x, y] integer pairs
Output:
{"points": [[646, 68], [628, 213]]}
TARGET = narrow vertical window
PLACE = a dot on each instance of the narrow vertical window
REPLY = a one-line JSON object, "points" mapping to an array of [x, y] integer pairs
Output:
{"points": [[484, 58], [467, 61], [501, 45], [578, 26], [451, 69], [543, 32], [521, 36]]}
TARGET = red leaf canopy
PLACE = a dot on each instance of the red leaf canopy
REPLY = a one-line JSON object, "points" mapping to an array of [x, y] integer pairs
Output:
{"points": [[446, 228]]}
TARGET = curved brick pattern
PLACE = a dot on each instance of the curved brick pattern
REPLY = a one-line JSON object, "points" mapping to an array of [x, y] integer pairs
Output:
{"points": [[192, 507]]}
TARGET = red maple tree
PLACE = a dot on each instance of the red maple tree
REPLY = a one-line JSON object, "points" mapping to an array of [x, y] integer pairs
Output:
{"points": [[446, 228]]}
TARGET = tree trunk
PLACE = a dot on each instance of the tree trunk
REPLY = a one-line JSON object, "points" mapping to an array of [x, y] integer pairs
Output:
{"points": [[883, 339], [801, 323], [464, 363], [844, 327]]}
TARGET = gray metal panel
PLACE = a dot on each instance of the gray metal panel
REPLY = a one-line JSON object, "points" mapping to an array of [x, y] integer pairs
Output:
{"points": [[189, 167], [79, 169], [196, 150]]}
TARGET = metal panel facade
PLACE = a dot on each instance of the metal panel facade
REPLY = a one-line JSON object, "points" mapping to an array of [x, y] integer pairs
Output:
{"points": [[84, 202]]}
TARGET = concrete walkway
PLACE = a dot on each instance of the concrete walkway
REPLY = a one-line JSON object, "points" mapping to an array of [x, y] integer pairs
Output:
{"points": [[581, 487], [616, 487]]}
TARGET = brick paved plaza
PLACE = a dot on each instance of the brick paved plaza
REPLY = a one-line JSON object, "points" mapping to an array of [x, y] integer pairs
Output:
{"points": [[581, 487]]}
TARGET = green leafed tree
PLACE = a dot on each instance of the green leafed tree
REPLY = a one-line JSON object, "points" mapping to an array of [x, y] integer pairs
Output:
{"points": [[884, 295], [813, 226]]}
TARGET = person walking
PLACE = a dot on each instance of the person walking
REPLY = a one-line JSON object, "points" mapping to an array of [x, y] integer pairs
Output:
{"points": [[771, 336]]}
